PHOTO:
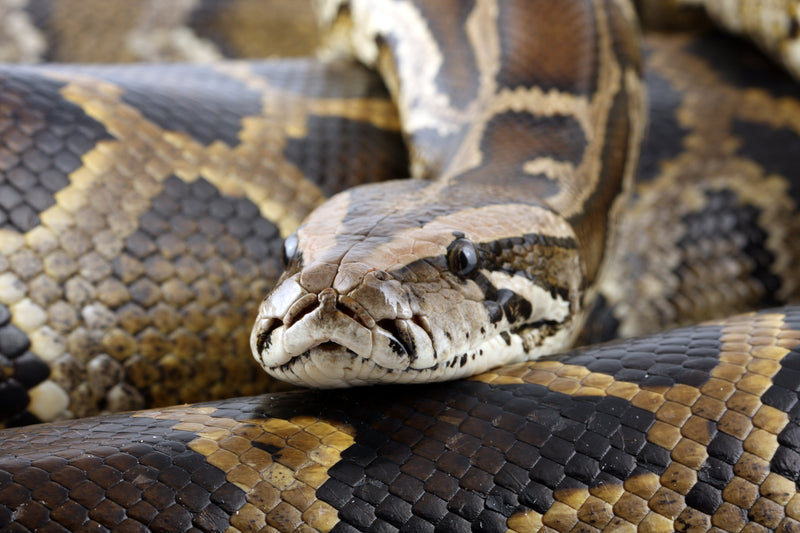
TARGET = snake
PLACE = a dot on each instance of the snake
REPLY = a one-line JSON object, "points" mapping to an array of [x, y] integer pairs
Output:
{"points": [[692, 429]]}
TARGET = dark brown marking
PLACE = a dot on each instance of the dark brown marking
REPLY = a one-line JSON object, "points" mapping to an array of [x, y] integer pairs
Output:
{"points": [[214, 112], [592, 221], [548, 44], [459, 77], [664, 139], [42, 139], [513, 138]]}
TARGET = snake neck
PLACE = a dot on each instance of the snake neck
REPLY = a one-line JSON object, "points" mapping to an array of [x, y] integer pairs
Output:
{"points": [[529, 121]]}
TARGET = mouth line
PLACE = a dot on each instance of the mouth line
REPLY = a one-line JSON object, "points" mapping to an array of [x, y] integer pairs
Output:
{"points": [[402, 343], [409, 338], [353, 361]]}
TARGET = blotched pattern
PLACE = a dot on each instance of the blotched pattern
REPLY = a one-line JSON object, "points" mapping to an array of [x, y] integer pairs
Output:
{"points": [[43, 138], [690, 430], [136, 281]]}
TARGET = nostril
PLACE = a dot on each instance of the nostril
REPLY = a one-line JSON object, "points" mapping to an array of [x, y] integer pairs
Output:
{"points": [[300, 308], [401, 336], [356, 311], [422, 322], [389, 326]]}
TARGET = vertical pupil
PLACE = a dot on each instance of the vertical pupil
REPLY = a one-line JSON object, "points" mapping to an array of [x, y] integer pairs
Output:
{"points": [[464, 258]]}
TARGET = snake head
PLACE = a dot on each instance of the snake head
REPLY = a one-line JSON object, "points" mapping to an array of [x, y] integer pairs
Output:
{"points": [[375, 292]]}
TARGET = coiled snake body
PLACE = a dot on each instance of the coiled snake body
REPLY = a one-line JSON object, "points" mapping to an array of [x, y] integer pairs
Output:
{"points": [[129, 270]]}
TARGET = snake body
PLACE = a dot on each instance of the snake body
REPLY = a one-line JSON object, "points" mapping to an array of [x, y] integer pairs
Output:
{"points": [[693, 429]]}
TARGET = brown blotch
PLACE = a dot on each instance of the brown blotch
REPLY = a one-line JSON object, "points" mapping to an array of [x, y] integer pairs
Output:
{"points": [[460, 78], [550, 45]]}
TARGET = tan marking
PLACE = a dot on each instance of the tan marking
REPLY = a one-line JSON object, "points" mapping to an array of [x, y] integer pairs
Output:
{"points": [[729, 517], [584, 510], [679, 478], [793, 507], [379, 112], [752, 468], [254, 168], [421, 104], [161, 33], [778, 489], [685, 417], [698, 430], [667, 503], [525, 521], [673, 413], [735, 424], [281, 492], [558, 171], [595, 512], [708, 408], [631, 508], [766, 513], [22, 41], [769, 24]]}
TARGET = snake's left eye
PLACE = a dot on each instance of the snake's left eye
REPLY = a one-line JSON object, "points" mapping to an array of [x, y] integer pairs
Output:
{"points": [[462, 257], [289, 250]]}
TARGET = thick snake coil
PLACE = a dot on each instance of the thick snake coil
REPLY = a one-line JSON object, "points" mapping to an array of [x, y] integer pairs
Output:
{"points": [[141, 207]]}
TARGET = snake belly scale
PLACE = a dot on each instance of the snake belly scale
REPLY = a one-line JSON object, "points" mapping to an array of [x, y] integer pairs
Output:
{"points": [[695, 429]]}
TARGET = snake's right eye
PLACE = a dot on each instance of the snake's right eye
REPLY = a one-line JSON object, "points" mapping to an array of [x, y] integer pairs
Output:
{"points": [[289, 251]]}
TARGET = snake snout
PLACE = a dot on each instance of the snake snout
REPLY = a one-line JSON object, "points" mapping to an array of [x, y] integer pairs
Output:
{"points": [[328, 328]]}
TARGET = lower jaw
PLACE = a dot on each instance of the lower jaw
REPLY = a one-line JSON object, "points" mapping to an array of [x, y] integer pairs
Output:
{"points": [[331, 369], [330, 365]]}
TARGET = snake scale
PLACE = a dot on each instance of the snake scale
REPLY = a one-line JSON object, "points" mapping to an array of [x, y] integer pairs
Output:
{"points": [[142, 206]]}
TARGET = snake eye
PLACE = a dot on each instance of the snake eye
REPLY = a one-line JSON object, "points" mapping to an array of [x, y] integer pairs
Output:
{"points": [[462, 257], [289, 250]]}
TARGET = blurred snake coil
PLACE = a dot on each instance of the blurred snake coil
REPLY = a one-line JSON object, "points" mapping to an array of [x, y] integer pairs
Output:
{"points": [[152, 164]]}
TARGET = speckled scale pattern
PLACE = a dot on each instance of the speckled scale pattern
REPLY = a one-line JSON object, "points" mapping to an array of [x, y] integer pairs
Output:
{"points": [[725, 215], [189, 268], [136, 280], [689, 430], [42, 138], [213, 110], [124, 483]]}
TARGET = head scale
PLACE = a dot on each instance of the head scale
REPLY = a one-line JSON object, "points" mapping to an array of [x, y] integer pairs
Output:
{"points": [[396, 283]]}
